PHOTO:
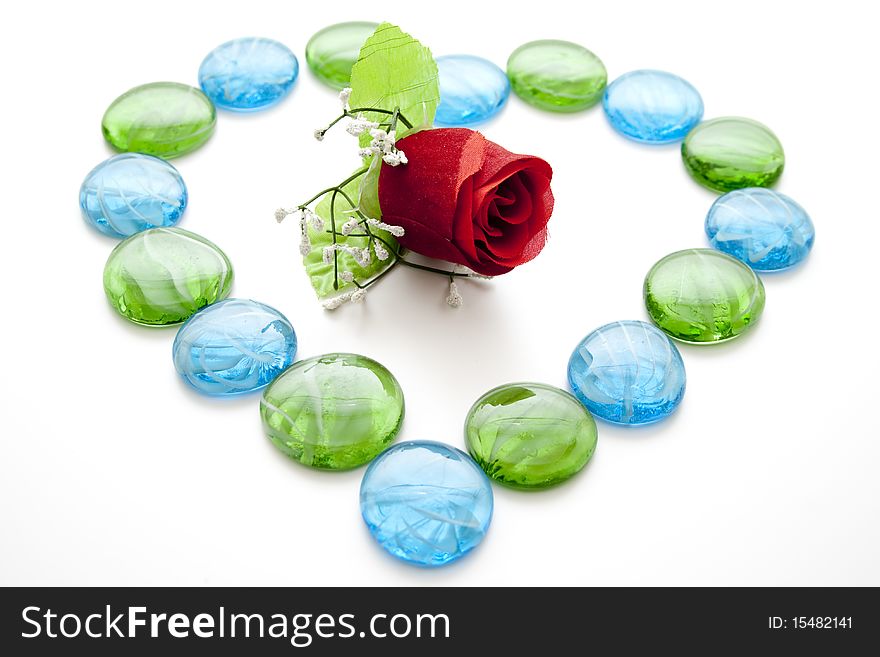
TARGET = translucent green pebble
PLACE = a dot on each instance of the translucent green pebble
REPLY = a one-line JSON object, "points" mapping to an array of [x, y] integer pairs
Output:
{"points": [[165, 119], [333, 412], [332, 52], [733, 153], [559, 76], [530, 435], [703, 296], [162, 276]]}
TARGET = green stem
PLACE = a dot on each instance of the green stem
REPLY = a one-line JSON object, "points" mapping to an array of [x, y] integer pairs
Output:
{"points": [[337, 187], [377, 278], [333, 228], [378, 111], [433, 270], [335, 121], [392, 125], [398, 258]]}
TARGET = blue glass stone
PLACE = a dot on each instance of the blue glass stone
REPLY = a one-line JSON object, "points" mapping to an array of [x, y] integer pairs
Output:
{"points": [[652, 107], [248, 74], [627, 372], [765, 229], [132, 192], [472, 90], [233, 347], [426, 503]]}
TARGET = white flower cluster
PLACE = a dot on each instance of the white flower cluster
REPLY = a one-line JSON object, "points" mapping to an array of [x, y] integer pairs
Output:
{"points": [[359, 125], [305, 217], [384, 144], [397, 231], [354, 297], [344, 97], [454, 299], [349, 226], [361, 256]]}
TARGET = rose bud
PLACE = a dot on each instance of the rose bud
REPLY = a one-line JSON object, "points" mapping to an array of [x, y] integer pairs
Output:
{"points": [[466, 200]]}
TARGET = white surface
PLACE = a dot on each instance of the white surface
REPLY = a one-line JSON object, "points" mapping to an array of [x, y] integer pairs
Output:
{"points": [[112, 472]]}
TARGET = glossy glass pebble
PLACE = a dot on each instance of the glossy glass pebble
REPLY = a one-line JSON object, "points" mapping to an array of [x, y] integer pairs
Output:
{"points": [[165, 119], [333, 412], [653, 107], [765, 229], [233, 347], [248, 74], [332, 52], [162, 276], [472, 90], [559, 76], [530, 435], [426, 503], [132, 192], [703, 296], [627, 372], [732, 153]]}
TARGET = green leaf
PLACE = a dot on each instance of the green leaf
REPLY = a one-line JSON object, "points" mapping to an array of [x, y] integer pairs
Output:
{"points": [[394, 71], [369, 203], [320, 273]]}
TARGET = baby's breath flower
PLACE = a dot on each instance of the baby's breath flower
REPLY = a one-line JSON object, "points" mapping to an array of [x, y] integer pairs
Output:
{"points": [[305, 244], [344, 96], [347, 277], [362, 256], [454, 299], [360, 125], [381, 251], [281, 213], [319, 133], [397, 231], [394, 158], [314, 219], [349, 226], [335, 302], [358, 295], [367, 152]]}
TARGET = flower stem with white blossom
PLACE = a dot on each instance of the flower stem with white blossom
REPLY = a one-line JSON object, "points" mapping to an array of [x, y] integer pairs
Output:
{"points": [[383, 143]]}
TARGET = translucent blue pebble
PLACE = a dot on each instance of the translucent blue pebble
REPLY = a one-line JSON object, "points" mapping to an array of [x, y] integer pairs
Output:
{"points": [[653, 107], [233, 347], [627, 372], [426, 503], [472, 90], [765, 229], [248, 74], [130, 193]]}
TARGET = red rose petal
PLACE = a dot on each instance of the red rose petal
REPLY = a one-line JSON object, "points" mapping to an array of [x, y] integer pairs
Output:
{"points": [[467, 200]]}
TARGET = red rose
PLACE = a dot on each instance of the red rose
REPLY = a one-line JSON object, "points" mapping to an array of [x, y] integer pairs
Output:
{"points": [[464, 199]]}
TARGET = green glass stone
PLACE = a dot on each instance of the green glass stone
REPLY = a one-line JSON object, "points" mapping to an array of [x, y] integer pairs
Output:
{"points": [[162, 276], [332, 52], [733, 153], [557, 75], [530, 435], [165, 119], [333, 412], [703, 296]]}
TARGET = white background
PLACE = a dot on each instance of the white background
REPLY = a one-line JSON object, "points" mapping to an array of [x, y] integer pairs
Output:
{"points": [[112, 472]]}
